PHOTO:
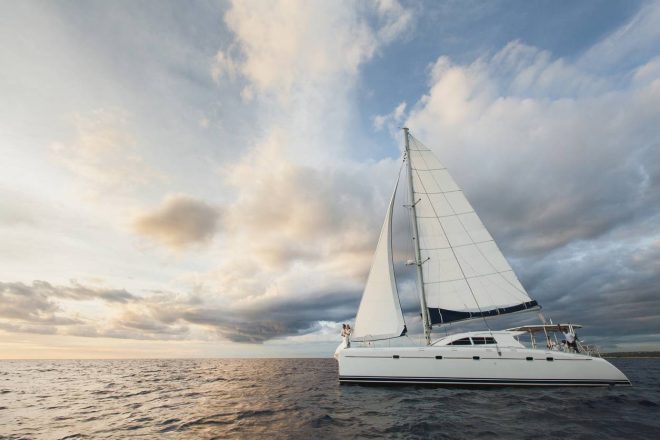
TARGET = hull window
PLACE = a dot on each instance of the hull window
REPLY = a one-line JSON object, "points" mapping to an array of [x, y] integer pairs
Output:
{"points": [[462, 341], [481, 340]]}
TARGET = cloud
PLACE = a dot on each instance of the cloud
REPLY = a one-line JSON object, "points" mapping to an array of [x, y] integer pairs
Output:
{"points": [[284, 45], [180, 221], [223, 65], [573, 167], [38, 303], [392, 119], [104, 156], [628, 46], [47, 309]]}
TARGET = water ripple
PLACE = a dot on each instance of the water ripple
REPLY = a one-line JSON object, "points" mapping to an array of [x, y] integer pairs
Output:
{"points": [[300, 398]]}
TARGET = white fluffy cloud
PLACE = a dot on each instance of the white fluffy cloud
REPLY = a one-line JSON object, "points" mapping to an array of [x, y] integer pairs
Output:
{"points": [[527, 133], [283, 45]]}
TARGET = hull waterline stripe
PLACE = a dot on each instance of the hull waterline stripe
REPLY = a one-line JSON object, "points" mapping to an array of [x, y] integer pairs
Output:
{"points": [[449, 357], [480, 381]]}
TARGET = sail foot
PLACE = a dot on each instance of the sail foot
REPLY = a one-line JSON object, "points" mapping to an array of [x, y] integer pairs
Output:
{"points": [[444, 316]]}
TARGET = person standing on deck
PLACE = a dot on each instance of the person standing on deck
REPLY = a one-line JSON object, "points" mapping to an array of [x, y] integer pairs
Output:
{"points": [[571, 341]]}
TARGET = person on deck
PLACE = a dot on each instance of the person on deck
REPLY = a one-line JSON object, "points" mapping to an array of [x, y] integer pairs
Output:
{"points": [[345, 333], [571, 341]]}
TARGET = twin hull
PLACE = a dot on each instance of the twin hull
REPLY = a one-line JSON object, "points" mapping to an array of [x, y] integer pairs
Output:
{"points": [[451, 365]]}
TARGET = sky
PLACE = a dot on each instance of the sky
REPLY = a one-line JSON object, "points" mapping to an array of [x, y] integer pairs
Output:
{"points": [[208, 179]]}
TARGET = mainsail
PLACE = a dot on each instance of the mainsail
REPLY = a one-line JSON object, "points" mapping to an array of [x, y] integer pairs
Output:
{"points": [[380, 315], [465, 274]]}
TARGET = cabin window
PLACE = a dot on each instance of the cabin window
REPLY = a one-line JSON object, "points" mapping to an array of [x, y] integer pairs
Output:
{"points": [[462, 341], [480, 340]]}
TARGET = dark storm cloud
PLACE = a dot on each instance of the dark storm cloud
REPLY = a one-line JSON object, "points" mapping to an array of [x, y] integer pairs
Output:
{"points": [[284, 317]]}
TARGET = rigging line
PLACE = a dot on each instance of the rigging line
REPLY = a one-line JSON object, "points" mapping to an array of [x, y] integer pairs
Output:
{"points": [[452, 250], [462, 262], [468, 233], [457, 262], [391, 250], [411, 248], [470, 236]]}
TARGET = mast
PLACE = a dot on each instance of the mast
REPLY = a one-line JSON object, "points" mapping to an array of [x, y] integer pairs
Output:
{"points": [[415, 239]]}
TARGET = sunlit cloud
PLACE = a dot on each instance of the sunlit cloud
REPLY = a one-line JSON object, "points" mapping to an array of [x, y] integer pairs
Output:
{"points": [[180, 221]]}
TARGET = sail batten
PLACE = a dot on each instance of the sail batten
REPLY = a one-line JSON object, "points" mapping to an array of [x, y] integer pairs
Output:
{"points": [[465, 274]]}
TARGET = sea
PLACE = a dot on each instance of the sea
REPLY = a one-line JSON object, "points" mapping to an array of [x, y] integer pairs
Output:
{"points": [[301, 398]]}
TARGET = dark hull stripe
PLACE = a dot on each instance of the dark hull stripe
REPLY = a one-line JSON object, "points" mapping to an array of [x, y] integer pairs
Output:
{"points": [[479, 381], [446, 357]]}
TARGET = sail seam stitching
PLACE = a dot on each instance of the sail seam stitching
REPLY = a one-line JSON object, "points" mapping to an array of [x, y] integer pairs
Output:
{"points": [[457, 246], [468, 277]]}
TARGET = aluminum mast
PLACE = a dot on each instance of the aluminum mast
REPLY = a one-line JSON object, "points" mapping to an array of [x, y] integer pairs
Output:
{"points": [[415, 239]]}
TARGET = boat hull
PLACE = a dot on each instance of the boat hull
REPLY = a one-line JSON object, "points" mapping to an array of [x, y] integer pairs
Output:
{"points": [[475, 366]]}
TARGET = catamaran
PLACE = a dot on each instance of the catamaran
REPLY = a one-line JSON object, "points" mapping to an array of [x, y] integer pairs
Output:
{"points": [[461, 275]]}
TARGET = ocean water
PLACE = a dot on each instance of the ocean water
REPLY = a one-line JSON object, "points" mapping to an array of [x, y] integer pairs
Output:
{"points": [[301, 398]]}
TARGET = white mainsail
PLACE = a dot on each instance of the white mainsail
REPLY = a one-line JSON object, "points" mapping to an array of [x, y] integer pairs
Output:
{"points": [[465, 274], [380, 315]]}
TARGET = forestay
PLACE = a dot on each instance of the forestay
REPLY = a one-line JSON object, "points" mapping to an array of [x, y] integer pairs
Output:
{"points": [[465, 274], [380, 315]]}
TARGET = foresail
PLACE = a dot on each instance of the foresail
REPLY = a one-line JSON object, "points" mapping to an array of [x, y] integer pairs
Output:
{"points": [[380, 315], [465, 274]]}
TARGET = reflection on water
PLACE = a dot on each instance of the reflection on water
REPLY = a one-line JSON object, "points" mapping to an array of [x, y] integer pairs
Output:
{"points": [[301, 398]]}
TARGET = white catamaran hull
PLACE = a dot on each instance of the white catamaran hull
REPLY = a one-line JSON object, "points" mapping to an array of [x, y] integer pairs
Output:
{"points": [[475, 366]]}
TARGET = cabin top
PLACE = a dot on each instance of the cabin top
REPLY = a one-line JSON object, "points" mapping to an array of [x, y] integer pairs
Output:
{"points": [[482, 338]]}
